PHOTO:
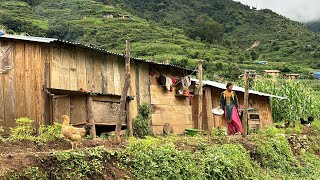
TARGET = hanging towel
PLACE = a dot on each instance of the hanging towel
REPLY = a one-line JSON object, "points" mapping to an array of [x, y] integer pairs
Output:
{"points": [[186, 82], [168, 83]]}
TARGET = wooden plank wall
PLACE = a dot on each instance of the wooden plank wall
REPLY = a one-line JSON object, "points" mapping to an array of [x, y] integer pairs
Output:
{"points": [[74, 68], [167, 108], [21, 89]]}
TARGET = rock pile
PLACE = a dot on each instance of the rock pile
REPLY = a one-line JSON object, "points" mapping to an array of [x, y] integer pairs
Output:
{"points": [[299, 143]]}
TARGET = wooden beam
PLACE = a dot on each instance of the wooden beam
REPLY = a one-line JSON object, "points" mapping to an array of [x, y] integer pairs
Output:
{"points": [[246, 105], [93, 132], [200, 96], [123, 100], [209, 108]]}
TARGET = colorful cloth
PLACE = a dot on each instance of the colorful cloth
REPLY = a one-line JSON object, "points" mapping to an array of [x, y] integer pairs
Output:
{"points": [[235, 124], [186, 82]]}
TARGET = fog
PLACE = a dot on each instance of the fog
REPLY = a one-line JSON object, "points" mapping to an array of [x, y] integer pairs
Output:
{"points": [[298, 10]]}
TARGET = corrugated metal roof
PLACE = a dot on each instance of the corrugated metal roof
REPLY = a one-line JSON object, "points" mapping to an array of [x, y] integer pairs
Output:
{"points": [[52, 40], [235, 88], [271, 71], [29, 38]]}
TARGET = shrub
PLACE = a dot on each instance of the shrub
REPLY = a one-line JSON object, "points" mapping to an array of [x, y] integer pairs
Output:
{"points": [[49, 133], [22, 131], [141, 124], [151, 158]]}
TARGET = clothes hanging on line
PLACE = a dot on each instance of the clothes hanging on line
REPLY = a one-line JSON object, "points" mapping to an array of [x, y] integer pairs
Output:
{"points": [[168, 83], [186, 82]]}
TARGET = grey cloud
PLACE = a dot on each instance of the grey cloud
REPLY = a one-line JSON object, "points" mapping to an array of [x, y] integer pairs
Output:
{"points": [[298, 10]]}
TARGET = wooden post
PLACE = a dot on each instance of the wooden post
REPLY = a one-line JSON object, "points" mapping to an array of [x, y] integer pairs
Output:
{"points": [[246, 105], [200, 96], [93, 132], [208, 109], [124, 94], [129, 121]]}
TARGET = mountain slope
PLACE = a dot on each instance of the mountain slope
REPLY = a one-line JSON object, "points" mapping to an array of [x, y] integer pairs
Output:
{"points": [[173, 31]]}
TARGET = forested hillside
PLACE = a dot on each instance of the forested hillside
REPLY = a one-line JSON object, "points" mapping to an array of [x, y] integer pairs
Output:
{"points": [[181, 32]]}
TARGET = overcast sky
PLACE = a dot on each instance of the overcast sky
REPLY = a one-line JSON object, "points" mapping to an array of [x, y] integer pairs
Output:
{"points": [[298, 10]]}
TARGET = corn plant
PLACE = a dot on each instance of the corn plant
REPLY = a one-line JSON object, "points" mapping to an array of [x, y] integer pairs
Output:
{"points": [[300, 102]]}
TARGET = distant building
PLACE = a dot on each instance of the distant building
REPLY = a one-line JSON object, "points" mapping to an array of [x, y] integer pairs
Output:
{"points": [[108, 16], [262, 62], [273, 73], [123, 16], [292, 76]]}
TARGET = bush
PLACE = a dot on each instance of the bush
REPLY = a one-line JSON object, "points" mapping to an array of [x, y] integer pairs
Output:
{"points": [[49, 133], [141, 124], [22, 131]]}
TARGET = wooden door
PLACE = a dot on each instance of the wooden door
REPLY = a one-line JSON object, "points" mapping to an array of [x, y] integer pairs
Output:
{"points": [[61, 106]]}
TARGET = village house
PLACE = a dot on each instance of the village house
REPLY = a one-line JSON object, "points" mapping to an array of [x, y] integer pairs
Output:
{"points": [[292, 76], [272, 73], [259, 114], [45, 78]]}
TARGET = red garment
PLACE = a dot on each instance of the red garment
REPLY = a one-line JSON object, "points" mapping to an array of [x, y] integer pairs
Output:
{"points": [[152, 73], [235, 125]]}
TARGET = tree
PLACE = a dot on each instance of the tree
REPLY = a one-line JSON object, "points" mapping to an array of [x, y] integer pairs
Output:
{"points": [[207, 29]]}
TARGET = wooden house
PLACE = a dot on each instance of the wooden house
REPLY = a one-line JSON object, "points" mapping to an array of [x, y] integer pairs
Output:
{"points": [[44, 78], [292, 76], [260, 114], [272, 73]]}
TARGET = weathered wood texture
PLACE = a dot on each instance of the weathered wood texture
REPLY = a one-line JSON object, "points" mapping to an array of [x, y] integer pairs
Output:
{"points": [[167, 108], [74, 68], [21, 88], [260, 103]]}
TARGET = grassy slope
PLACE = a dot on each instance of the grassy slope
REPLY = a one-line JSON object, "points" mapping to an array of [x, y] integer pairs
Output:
{"points": [[164, 39]]}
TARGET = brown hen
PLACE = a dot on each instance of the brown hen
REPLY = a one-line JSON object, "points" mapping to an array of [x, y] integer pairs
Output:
{"points": [[73, 134]]}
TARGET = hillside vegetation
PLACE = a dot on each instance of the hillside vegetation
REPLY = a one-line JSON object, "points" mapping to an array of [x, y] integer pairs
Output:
{"points": [[180, 32]]}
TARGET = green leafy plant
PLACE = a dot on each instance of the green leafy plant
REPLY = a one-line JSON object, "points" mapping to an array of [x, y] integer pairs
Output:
{"points": [[300, 101], [49, 133], [141, 124], [22, 131]]}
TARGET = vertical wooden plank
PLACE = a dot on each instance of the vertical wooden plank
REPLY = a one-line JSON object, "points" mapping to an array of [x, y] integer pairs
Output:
{"points": [[122, 71], [137, 81], [133, 106], [116, 75], [208, 108], [93, 133], [110, 72], [104, 74], [73, 70], [20, 80], [81, 68], [9, 91], [90, 71], [38, 85], [144, 83], [28, 80], [200, 96], [97, 71], [55, 68], [61, 106], [45, 56], [65, 68]]}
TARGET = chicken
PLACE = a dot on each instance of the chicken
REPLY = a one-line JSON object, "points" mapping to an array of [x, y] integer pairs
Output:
{"points": [[303, 122], [73, 134]]}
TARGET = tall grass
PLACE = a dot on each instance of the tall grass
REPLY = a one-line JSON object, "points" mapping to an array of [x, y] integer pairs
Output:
{"points": [[300, 102]]}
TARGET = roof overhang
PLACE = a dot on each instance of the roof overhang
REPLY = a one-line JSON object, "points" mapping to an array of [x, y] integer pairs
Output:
{"points": [[53, 40], [235, 88]]}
